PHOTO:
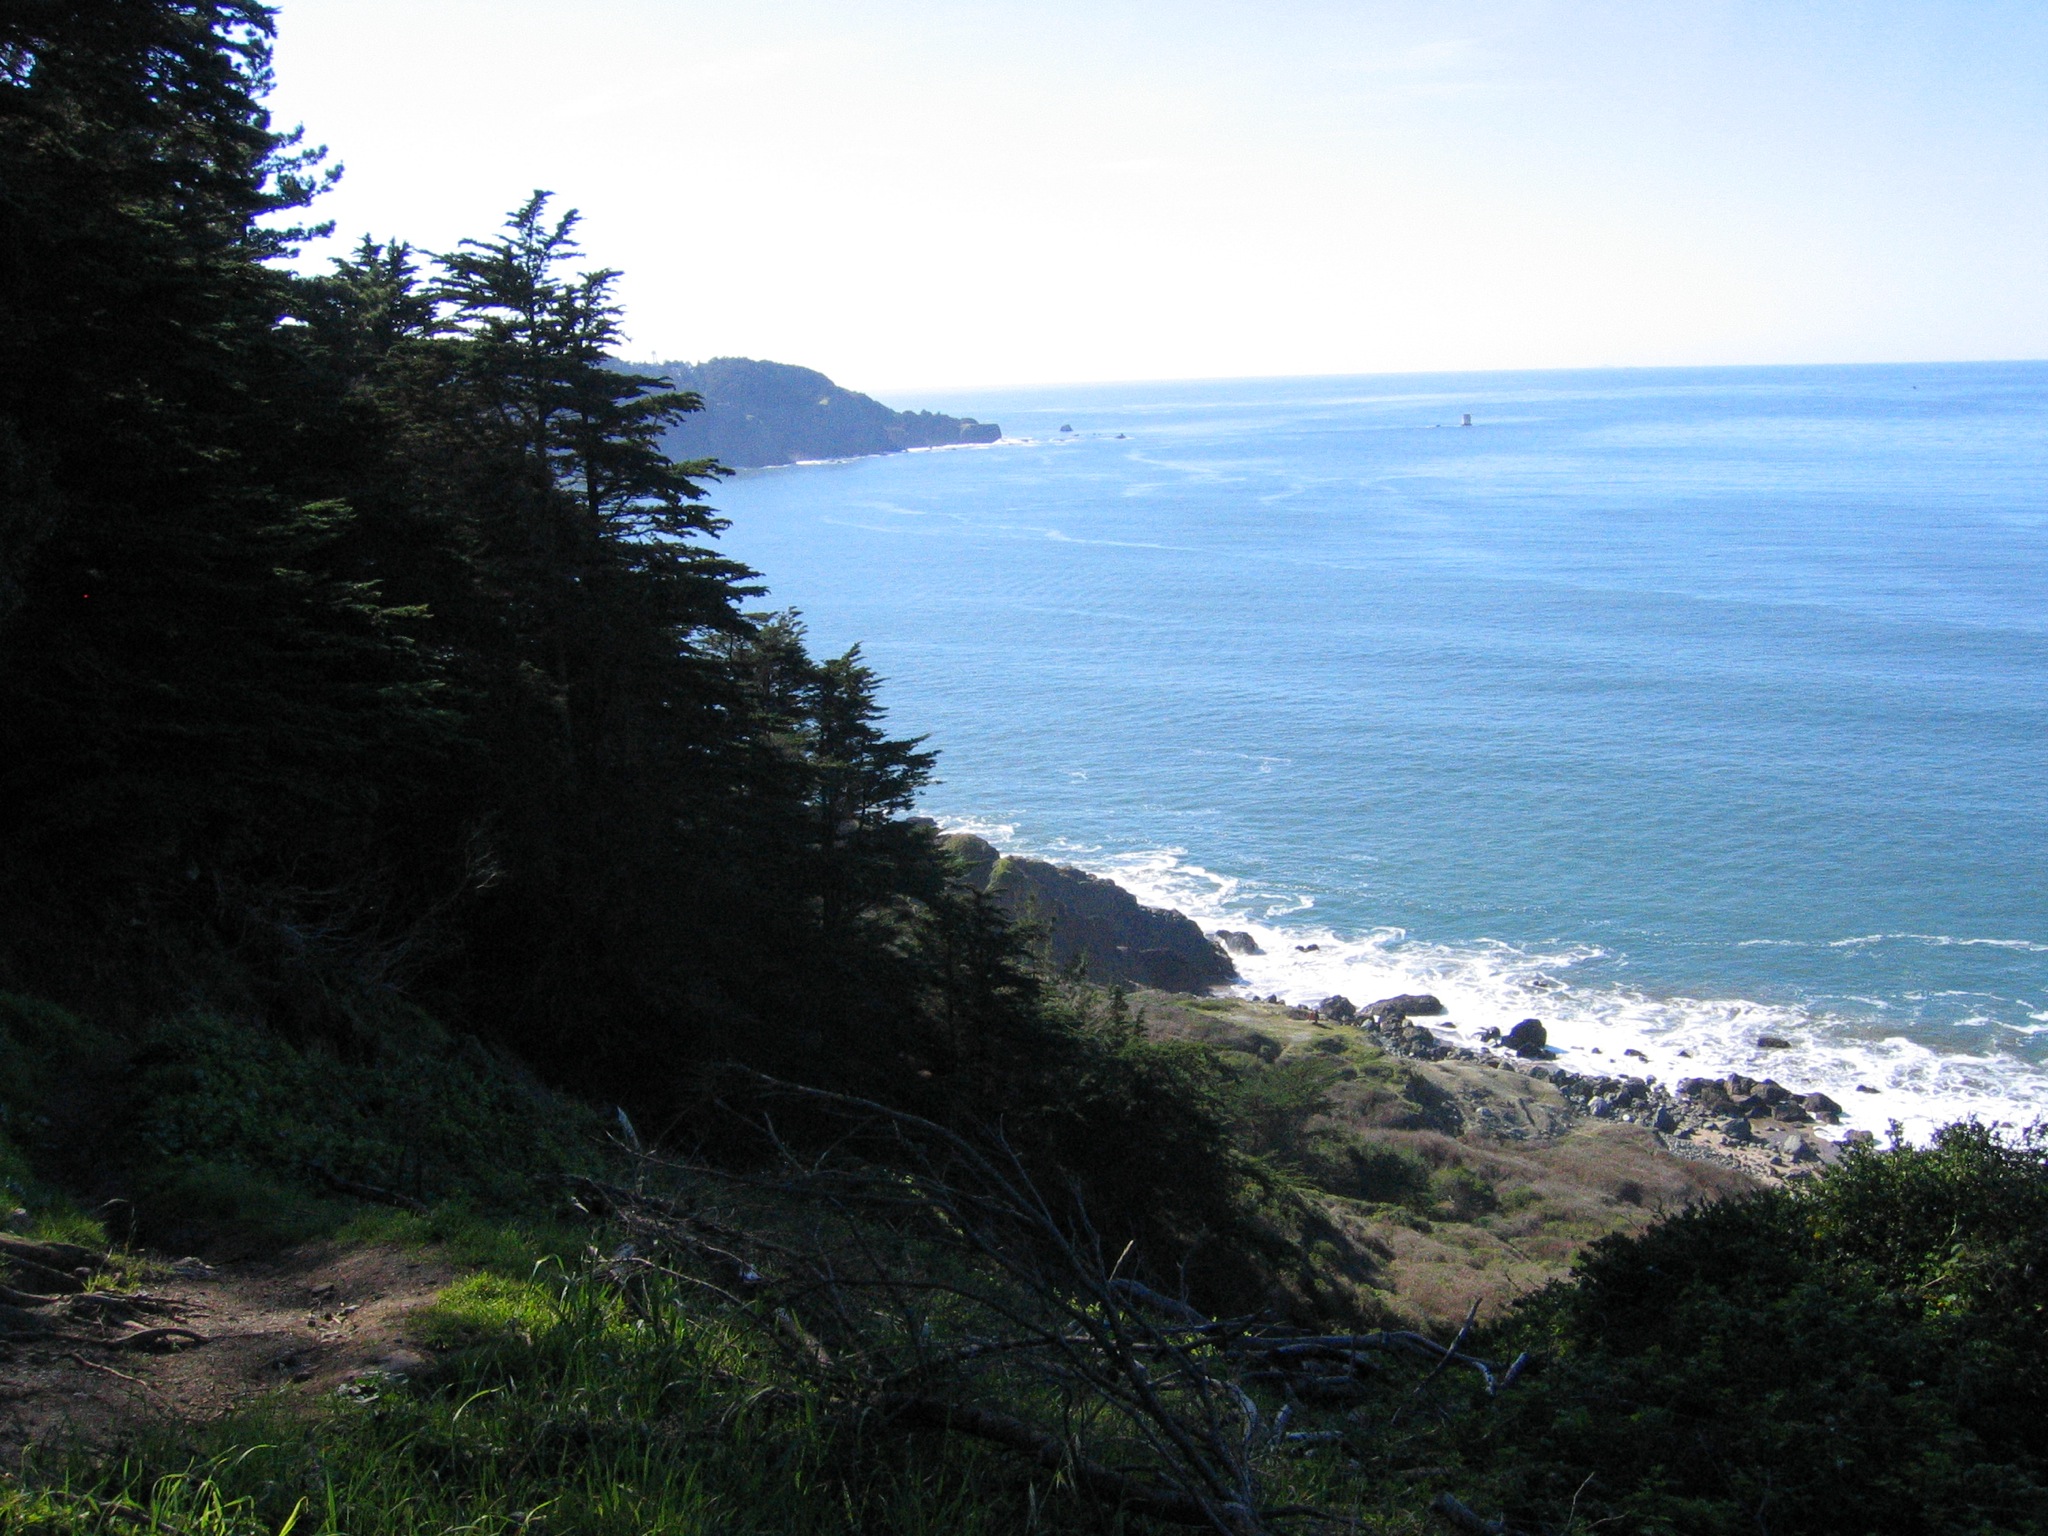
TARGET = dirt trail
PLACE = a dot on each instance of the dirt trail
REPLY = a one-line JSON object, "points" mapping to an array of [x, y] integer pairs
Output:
{"points": [[306, 1322]]}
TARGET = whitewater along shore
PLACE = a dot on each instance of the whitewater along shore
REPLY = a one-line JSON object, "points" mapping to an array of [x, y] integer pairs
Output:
{"points": [[1757, 1125], [1469, 1165]]}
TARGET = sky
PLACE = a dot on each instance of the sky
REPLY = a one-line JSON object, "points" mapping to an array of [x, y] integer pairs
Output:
{"points": [[946, 194]]}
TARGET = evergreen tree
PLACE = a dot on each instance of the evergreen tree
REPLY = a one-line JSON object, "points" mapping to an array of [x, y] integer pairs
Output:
{"points": [[189, 689]]}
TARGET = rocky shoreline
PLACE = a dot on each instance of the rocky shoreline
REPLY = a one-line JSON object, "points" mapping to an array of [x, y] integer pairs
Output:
{"points": [[1758, 1125]]}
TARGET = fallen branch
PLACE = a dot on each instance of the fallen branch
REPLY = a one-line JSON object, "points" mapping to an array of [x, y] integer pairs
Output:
{"points": [[371, 1192], [61, 1257], [50, 1279], [1456, 1512], [151, 1338], [1053, 1454], [108, 1370], [112, 1303]]}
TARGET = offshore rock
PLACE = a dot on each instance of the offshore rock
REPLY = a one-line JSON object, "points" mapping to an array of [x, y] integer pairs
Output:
{"points": [[1237, 941], [1094, 922]]}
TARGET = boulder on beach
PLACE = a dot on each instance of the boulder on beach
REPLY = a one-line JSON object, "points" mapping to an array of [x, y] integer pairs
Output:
{"points": [[1822, 1108], [1337, 1008], [1528, 1039], [1237, 941]]}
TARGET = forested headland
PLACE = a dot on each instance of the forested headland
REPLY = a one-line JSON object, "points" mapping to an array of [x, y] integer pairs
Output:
{"points": [[758, 413], [418, 838]]}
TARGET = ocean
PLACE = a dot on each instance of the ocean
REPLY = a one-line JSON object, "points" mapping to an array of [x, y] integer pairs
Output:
{"points": [[1675, 708]]}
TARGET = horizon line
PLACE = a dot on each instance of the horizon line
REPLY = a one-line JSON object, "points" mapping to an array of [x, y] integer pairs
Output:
{"points": [[1385, 373]]}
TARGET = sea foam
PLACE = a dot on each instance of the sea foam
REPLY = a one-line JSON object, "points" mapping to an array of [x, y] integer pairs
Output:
{"points": [[1878, 1077]]}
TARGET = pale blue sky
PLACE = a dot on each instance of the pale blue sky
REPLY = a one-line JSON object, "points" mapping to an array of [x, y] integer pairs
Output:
{"points": [[920, 195]]}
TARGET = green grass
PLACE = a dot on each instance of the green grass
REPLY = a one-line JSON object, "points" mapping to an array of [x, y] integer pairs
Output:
{"points": [[467, 1238], [552, 1406]]}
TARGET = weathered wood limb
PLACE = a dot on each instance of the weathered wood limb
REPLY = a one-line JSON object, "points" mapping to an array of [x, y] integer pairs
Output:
{"points": [[152, 1338], [61, 1257], [371, 1192], [1460, 1515], [1048, 1451]]}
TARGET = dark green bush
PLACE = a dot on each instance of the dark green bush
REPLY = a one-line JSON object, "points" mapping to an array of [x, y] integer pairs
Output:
{"points": [[445, 1120], [1863, 1355], [1346, 1164]]}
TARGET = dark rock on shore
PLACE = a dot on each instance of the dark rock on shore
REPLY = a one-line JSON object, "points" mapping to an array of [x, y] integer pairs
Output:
{"points": [[1237, 941], [1393, 1010], [1095, 921], [1527, 1039]]}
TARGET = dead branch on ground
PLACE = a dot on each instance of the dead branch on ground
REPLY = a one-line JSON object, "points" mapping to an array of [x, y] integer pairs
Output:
{"points": [[933, 1275]]}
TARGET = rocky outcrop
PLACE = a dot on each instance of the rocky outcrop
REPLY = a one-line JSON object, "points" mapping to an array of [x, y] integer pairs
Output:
{"points": [[1765, 1129], [1094, 921], [758, 413], [1237, 941], [1393, 1010]]}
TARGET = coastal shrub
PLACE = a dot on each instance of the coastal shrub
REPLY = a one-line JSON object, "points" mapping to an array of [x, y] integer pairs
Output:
{"points": [[219, 1106], [1861, 1355], [1462, 1193], [228, 1208], [1272, 1106], [1345, 1163], [53, 1066]]}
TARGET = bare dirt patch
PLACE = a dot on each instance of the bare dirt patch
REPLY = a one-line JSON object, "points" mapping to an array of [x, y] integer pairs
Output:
{"points": [[305, 1322]]}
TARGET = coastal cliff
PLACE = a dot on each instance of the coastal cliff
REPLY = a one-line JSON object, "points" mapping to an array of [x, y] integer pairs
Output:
{"points": [[1095, 922], [759, 413]]}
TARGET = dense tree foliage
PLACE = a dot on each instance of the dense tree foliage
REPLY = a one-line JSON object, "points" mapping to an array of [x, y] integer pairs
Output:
{"points": [[359, 647]]}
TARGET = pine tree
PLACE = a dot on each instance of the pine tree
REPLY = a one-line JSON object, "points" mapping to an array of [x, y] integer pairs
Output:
{"points": [[189, 690]]}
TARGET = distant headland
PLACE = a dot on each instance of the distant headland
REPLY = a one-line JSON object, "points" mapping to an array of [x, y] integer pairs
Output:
{"points": [[757, 414]]}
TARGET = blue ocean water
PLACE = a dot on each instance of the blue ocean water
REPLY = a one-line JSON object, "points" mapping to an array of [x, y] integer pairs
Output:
{"points": [[1672, 707]]}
